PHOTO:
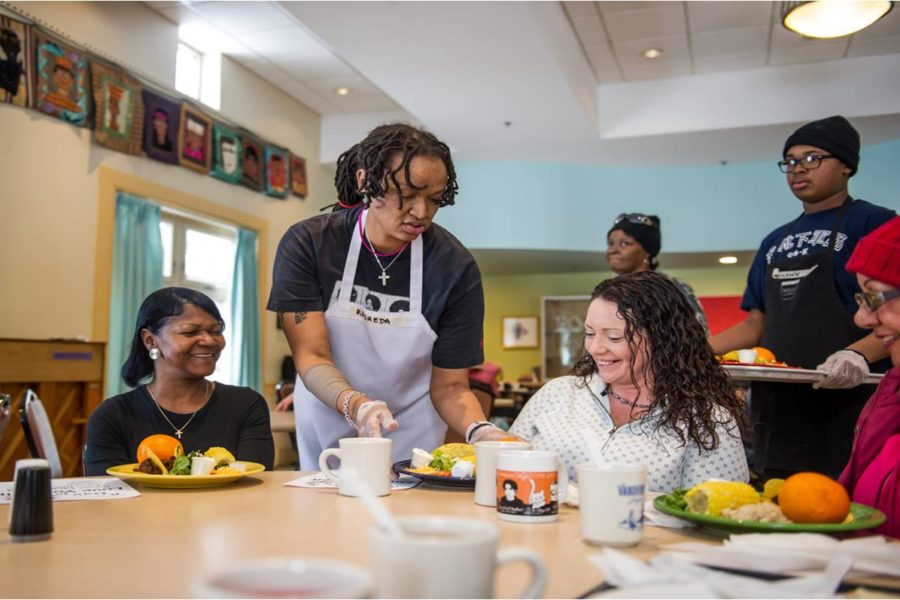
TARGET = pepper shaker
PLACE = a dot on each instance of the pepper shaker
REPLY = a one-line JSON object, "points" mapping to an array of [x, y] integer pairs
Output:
{"points": [[31, 512]]}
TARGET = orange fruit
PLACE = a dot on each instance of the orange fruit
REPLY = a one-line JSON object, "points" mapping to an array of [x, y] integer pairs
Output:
{"points": [[813, 498], [764, 355], [163, 446]]}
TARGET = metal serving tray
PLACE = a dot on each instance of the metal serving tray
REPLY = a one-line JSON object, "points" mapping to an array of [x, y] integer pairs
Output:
{"points": [[783, 374]]}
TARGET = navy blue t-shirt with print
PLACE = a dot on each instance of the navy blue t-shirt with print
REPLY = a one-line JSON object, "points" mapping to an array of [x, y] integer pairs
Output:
{"points": [[810, 236], [310, 261]]}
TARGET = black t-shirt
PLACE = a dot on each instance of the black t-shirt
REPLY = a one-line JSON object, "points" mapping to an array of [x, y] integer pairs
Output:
{"points": [[235, 418], [310, 262]]}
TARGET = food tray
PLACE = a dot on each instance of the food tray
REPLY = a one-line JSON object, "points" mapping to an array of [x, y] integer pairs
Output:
{"points": [[782, 374], [402, 467], [864, 517]]}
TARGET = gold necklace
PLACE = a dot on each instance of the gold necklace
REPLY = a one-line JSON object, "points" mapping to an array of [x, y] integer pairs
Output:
{"points": [[179, 431]]}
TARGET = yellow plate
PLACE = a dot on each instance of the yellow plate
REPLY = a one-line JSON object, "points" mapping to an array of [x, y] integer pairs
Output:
{"points": [[128, 473]]}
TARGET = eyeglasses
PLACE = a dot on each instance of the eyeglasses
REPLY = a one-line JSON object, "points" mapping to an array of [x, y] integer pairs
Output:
{"points": [[874, 300], [808, 162], [635, 218]]}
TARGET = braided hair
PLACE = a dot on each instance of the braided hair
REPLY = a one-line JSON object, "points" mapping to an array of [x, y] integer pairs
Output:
{"points": [[687, 382], [375, 155]]}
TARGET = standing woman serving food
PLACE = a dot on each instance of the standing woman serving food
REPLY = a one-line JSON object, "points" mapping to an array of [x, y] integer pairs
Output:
{"points": [[382, 308]]}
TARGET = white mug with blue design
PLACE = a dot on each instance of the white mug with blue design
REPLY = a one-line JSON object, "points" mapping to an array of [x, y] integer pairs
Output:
{"points": [[611, 503]]}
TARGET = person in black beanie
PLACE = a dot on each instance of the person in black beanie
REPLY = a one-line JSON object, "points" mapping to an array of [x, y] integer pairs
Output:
{"points": [[800, 304], [633, 244]]}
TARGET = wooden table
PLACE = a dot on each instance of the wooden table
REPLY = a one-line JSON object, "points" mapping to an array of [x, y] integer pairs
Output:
{"points": [[158, 544]]}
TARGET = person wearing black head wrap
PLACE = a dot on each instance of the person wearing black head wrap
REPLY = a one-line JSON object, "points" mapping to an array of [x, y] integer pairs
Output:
{"points": [[800, 303], [633, 244]]}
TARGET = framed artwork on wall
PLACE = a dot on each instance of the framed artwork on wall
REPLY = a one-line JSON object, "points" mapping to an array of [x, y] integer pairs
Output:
{"points": [[119, 104], [298, 176], [62, 82], [521, 332], [194, 139], [277, 180], [16, 62], [227, 154], [252, 166], [162, 122]]}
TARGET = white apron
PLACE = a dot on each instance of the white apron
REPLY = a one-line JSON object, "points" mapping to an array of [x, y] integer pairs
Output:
{"points": [[385, 355]]}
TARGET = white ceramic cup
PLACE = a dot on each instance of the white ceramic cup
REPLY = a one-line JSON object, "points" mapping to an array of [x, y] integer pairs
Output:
{"points": [[369, 457], [485, 475], [611, 503], [286, 578], [530, 484], [446, 557]]}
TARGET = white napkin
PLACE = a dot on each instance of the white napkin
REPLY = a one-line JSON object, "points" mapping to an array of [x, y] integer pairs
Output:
{"points": [[791, 552], [871, 554], [669, 575], [320, 480]]}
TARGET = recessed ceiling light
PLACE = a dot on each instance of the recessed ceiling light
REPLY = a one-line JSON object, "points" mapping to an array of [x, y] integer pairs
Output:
{"points": [[728, 260], [652, 53], [342, 91]]}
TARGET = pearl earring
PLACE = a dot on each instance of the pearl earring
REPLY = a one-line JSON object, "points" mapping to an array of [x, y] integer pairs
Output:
{"points": [[154, 353]]}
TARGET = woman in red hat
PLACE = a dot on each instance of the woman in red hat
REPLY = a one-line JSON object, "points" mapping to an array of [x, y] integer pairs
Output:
{"points": [[872, 476]]}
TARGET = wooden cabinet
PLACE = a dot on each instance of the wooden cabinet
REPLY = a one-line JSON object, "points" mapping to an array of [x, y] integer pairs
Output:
{"points": [[68, 378]]}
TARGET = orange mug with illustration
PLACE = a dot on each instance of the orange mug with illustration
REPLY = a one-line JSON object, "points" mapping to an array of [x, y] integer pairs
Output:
{"points": [[530, 485]]}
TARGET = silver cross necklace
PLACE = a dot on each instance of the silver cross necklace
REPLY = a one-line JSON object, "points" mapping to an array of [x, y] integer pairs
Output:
{"points": [[179, 431], [384, 276]]}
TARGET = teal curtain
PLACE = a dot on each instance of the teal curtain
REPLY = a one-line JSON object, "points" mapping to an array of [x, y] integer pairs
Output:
{"points": [[245, 345], [137, 271]]}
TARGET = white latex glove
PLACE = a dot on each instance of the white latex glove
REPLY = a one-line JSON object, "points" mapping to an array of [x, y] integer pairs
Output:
{"points": [[845, 368], [373, 418], [492, 433]]}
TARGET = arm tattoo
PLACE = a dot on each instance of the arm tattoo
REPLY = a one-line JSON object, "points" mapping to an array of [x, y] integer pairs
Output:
{"points": [[299, 317]]}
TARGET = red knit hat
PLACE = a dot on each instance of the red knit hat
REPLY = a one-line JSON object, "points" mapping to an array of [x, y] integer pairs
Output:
{"points": [[877, 255]]}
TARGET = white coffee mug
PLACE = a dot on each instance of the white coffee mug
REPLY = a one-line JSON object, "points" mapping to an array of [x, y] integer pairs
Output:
{"points": [[530, 484], [611, 503], [286, 578], [486, 471], [446, 557], [370, 459]]}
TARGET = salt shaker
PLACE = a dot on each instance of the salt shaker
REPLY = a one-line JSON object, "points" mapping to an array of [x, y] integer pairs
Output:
{"points": [[31, 512]]}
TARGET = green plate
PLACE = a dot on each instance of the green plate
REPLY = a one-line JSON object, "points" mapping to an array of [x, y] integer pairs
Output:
{"points": [[864, 517]]}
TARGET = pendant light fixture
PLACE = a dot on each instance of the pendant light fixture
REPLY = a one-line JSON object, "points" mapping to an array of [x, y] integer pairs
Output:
{"points": [[832, 18]]}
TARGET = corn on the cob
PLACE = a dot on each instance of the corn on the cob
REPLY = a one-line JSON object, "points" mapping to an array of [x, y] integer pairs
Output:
{"points": [[711, 497]]}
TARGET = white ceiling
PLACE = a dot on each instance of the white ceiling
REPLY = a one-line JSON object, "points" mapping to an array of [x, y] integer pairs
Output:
{"points": [[552, 81], [561, 81]]}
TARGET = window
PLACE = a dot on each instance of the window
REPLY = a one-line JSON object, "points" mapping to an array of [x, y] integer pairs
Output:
{"points": [[199, 254], [199, 75], [188, 69]]}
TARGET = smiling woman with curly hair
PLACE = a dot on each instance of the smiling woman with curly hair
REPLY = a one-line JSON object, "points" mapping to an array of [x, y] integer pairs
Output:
{"points": [[649, 385]]}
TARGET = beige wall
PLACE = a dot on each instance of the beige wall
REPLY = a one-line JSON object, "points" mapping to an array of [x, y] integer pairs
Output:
{"points": [[49, 174], [520, 295]]}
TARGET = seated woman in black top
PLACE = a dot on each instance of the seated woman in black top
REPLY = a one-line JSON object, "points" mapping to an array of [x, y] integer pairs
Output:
{"points": [[176, 343]]}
